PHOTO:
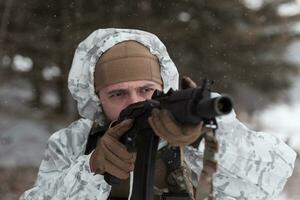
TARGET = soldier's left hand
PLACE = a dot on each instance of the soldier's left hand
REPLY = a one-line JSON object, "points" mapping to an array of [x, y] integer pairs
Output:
{"points": [[166, 127]]}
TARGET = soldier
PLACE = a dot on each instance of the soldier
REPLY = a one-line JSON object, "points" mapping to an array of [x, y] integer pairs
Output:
{"points": [[114, 68]]}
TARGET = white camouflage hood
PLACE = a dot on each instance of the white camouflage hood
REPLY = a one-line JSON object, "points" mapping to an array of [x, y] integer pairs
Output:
{"points": [[81, 76]]}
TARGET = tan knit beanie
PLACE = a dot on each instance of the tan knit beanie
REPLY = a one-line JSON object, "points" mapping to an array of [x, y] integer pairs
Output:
{"points": [[126, 61]]}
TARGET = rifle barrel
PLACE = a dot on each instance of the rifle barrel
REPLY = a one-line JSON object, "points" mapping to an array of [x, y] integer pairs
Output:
{"points": [[210, 108]]}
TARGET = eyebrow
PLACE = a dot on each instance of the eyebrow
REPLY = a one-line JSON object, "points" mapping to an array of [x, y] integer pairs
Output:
{"points": [[147, 85], [125, 89], [116, 91]]}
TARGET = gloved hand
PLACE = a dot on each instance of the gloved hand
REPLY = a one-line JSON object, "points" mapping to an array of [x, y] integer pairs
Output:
{"points": [[111, 155], [166, 127]]}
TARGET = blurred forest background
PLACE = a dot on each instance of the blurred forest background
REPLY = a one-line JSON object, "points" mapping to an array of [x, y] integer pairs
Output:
{"points": [[249, 47]]}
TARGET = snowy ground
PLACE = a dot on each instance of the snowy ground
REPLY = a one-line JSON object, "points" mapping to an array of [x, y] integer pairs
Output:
{"points": [[22, 141]]}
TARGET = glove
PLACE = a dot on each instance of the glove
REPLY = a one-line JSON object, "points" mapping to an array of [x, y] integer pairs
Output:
{"points": [[111, 155], [165, 126]]}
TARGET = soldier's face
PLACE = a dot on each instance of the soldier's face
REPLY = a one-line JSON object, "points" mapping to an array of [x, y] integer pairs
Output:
{"points": [[116, 97]]}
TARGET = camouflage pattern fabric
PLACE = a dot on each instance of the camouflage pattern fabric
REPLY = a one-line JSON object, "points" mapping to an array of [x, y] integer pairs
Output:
{"points": [[204, 190]]}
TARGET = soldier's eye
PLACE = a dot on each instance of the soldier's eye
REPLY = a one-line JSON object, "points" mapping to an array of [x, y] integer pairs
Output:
{"points": [[147, 89], [117, 94]]}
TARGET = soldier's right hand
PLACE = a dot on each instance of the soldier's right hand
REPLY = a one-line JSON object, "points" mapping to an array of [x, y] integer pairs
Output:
{"points": [[111, 155]]}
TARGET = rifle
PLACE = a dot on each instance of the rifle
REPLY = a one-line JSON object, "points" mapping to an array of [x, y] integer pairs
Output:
{"points": [[188, 106]]}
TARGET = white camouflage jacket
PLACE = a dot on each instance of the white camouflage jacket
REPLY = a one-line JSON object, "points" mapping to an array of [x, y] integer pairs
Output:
{"points": [[252, 165]]}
